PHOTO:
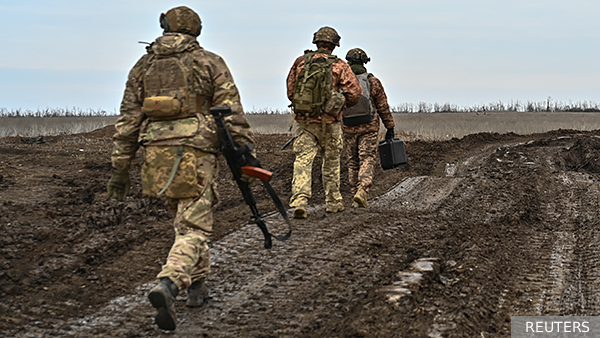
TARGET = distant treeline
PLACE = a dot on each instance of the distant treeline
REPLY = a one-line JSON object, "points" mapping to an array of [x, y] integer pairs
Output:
{"points": [[512, 106], [405, 108], [56, 112]]}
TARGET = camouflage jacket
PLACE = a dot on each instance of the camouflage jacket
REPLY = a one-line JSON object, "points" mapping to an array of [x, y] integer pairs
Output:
{"points": [[212, 85], [343, 79], [382, 109]]}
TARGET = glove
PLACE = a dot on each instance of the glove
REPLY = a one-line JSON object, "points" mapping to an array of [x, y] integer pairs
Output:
{"points": [[119, 184], [390, 134], [249, 180]]}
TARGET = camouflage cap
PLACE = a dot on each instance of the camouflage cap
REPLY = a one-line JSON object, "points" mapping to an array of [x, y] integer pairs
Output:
{"points": [[327, 34], [181, 19], [357, 56]]}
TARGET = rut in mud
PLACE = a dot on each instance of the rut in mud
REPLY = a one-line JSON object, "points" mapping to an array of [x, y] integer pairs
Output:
{"points": [[470, 232]]}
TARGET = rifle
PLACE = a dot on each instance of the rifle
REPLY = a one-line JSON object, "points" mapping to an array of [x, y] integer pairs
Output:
{"points": [[242, 162], [288, 142]]}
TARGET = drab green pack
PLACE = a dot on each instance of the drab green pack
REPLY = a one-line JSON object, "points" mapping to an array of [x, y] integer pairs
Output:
{"points": [[314, 85]]}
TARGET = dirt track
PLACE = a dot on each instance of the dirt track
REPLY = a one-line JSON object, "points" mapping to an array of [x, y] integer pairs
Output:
{"points": [[472, 231]]}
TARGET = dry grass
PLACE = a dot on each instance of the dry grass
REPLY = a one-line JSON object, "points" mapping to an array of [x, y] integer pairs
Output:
{"points": [[45, 126], [444, 126], [428, 126]]}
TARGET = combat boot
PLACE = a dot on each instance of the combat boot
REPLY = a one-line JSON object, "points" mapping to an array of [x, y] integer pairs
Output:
{"points": [[197, 293], [300, 212], [162, 297], [361, 198], [335, 207]]}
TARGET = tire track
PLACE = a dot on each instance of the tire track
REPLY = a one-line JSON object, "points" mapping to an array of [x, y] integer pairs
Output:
{"points": [[249, 283]]}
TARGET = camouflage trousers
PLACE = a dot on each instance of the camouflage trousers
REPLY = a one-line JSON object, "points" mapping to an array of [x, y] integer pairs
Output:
{"points": [[361, 152], [189, 257], [310, 139]]}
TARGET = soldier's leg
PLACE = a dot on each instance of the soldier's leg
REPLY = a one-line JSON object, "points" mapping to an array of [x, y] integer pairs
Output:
{"points": [[189, 258], [333, 145], [351, 146], [367, 153], [305, 148]]}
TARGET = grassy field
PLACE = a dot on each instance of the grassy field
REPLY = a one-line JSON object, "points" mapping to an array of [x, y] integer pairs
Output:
{"points": [[424, 126]]}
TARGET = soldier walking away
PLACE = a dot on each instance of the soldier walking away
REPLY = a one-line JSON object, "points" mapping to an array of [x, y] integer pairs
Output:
{"points": [[361, 127], [165, 109], [319, 84]]}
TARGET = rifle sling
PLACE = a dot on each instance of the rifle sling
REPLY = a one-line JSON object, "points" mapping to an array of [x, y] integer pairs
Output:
{"points": [[173, 170], [281, 210]]}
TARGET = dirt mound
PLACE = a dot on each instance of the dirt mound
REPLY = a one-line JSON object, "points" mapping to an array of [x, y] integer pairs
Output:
{"points": [[495, 225]]}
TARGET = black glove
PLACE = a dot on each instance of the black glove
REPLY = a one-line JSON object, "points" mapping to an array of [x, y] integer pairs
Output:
{"points": [[390, 134], [119, 184]]}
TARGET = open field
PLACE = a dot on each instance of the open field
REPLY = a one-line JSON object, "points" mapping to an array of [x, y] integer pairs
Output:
{"points": [[469, 233], [422, 126]]}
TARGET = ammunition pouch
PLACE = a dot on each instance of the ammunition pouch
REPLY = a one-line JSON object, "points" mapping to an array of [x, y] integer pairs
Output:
{"points": [[334, 105]]}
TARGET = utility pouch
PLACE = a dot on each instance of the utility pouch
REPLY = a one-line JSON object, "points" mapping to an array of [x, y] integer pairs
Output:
{"points": [[170, 171], [163, 108], [334, 105]]}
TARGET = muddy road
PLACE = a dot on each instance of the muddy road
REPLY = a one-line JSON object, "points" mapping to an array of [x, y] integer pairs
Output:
{"points": [[470, 232]]}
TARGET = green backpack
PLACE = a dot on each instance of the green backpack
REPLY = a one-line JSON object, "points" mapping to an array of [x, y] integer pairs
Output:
{"points": [[314, 94]]}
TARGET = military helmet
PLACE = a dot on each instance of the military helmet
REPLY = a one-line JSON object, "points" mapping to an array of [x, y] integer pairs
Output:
{"points": [[181, 19], [327, 34], [357, 55]]}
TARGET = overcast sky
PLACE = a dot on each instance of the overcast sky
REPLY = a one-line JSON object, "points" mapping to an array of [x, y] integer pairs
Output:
{"points": [[77, 53]]}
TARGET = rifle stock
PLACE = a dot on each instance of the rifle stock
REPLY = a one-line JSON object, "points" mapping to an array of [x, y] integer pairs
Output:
{"points": [[242, 162]]}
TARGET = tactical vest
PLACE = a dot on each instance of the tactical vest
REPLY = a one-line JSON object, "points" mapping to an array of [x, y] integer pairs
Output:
{"points": [[314, 94], [363, 111], [166, 89]]}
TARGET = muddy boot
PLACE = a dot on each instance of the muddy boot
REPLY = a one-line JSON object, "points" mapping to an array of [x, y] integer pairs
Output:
{"points": [[361, 198], [300, 212], [335, 207], [197, 293], [162, 297]]}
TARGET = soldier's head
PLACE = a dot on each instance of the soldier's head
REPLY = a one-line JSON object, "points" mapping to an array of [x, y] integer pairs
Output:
{"points": [[357, 56], [181, 19], [326, 37]]}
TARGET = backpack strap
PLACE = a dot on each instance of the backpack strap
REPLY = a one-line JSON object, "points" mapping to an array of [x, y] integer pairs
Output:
{"points": [[173, 170]]}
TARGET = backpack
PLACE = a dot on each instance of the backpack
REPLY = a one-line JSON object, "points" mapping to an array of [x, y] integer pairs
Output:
{"points": [[314, 94], [166, 88], [363, 111]]}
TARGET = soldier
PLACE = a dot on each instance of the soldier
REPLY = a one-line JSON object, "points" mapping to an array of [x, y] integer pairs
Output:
{"points": [[165, 108], [361, 136], [320, 131]]}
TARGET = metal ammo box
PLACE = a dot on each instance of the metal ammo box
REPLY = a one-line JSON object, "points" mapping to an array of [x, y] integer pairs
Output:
{"points": [[392, 153]]}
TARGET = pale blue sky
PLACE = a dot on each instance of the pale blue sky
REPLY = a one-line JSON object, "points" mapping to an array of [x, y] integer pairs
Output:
{"points": [[76, 53]]}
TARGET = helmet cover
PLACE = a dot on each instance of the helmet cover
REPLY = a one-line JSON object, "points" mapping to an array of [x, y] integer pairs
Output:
{"points": [[327, 34], [181, 19], [357, 56]]}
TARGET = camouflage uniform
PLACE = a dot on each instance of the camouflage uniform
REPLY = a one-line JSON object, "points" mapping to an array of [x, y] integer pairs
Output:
{"points": [[361, 141], [193, 192], [310, 136]]}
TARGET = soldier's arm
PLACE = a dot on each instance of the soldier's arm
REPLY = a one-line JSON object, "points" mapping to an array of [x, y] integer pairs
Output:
{"points": [[292, 78], [128, 124], [226, 94], [349, 84], [381, 102]]}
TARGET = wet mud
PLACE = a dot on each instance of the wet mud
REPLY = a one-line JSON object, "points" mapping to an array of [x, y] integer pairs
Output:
{"points": [[470, 232]]}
